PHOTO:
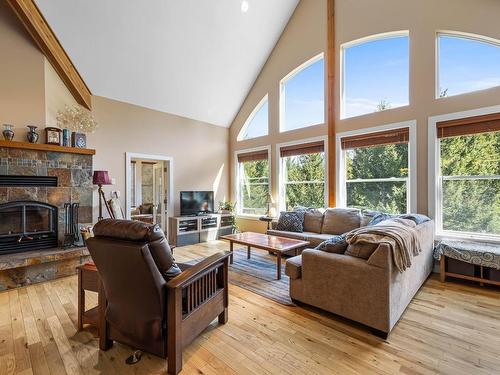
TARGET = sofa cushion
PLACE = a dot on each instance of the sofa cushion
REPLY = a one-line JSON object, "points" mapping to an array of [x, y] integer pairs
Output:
{"points": [[293, 267], [291, 221], [337, 245], [315, 238], [361, 250], [282, 233], [313, 221], [341, 220]]}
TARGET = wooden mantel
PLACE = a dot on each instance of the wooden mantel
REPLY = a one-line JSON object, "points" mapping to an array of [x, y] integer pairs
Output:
{"points": [[44, 147]]}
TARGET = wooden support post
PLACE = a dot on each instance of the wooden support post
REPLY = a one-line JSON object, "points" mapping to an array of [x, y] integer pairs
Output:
{"points": [[331, 115]]}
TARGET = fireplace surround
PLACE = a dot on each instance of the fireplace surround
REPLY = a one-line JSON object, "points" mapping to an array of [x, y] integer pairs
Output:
{"points": [[37, 182]]}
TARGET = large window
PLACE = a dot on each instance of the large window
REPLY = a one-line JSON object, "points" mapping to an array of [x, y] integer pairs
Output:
{"points": [[466, 64], [257, 124], [253, 182], [375, 74], [303, 175], [376, 171], [303, 96], [469, 176]]}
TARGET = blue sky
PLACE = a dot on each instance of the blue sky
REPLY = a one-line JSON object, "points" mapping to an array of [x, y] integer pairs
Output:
{"points": [[258, 125], [304, 97], [467, 65], [375, 71], [378, 71]]}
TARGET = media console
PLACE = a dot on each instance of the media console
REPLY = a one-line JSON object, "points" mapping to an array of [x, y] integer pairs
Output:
{"points": [[188, 230]]}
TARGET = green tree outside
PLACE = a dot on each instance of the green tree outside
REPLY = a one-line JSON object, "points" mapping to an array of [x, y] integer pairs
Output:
{"points": [[254, 187], [305, 180], [469, 204]]}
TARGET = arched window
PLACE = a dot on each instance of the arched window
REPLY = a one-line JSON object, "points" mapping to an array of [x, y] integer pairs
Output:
{"points": [[466, 63], [303, 96], [375, 74], [257, 124]]}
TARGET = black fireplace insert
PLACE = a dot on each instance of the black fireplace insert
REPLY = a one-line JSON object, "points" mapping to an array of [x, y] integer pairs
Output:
{"points": [[27, 225]]}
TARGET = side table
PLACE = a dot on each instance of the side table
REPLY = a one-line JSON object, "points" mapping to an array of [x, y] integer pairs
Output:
{"points": [[88, 279], [266, 219]]}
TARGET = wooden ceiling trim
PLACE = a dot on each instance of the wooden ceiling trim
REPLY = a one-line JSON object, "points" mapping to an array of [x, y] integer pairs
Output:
{"points": [[39, 29]]}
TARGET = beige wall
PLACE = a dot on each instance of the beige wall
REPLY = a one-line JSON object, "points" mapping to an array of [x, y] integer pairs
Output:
{"points": [[422, 18], [199, 150], [31, 92], [57, 95], [21, 76], [306, 35], [303, 38]]}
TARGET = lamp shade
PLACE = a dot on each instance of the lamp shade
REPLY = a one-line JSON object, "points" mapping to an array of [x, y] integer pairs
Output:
{"points": [[101, 178]]}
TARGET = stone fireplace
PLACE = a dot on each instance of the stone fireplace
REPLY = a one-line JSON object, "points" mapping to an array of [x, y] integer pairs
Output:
{"points": [[37, 185]]}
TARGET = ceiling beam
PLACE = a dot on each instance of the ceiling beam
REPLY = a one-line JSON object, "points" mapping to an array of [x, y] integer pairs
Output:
{"points": [[39, 29], [331, 83]]}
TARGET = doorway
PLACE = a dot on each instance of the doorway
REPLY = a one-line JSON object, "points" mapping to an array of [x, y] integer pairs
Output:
{"points": [[149, 188]]}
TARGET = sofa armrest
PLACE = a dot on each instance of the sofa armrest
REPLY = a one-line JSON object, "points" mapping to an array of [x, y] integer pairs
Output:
{"points": [[315, 262]]}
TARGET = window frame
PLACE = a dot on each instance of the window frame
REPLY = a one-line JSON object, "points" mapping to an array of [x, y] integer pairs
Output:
{"points": [[360, 41], [237, 174], [463, 35], [288, 77], [411, 187], [435, 192], [250, 118], [281, 168]]}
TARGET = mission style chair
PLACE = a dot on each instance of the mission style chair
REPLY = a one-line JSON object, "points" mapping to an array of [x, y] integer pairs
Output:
{"points": [[151, 304]]}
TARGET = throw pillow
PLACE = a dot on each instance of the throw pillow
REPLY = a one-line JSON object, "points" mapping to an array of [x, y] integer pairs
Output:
{"points": [[379, 218], [291, 221], [337, 245], [367, 216], [417, 218]]}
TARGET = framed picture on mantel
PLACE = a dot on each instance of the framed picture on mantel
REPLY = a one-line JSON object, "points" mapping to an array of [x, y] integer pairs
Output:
{"points": [[53, 136]]}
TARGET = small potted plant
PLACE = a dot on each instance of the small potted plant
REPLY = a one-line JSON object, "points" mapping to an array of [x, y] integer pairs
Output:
{"points": [[226, 207]]}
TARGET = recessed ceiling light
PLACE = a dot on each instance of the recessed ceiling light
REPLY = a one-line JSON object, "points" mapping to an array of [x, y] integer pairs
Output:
{"points": [[244, 6]]}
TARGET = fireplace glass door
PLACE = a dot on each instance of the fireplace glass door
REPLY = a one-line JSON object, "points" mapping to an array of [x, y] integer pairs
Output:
{"points": [[11, 221], [26, 225]]}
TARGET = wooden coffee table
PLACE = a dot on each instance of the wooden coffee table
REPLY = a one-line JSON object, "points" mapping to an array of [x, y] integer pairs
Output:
{"points": [[273, 244]]}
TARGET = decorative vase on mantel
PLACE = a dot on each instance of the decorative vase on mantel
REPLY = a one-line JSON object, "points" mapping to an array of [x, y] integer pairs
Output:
{"points": [[8, 133], [32, 134]]}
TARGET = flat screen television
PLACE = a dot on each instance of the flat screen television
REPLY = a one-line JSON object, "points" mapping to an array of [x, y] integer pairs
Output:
{"points": [[197, 202]]}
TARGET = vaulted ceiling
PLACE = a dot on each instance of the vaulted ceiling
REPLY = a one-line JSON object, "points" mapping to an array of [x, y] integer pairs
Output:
{"points": [[193, 58]]}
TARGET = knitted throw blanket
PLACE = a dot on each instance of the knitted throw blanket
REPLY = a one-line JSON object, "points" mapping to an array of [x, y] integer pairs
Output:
{"points": [[399, 234]]}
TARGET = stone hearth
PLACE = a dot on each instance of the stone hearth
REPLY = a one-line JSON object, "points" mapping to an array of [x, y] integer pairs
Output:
{"points": [[30, 267]]}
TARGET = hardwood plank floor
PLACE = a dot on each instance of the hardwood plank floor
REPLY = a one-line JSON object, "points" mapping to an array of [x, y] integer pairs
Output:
{"points": [[447, 329]]}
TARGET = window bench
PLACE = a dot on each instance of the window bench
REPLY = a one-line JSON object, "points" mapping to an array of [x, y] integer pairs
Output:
{"points": [[469, 261]]}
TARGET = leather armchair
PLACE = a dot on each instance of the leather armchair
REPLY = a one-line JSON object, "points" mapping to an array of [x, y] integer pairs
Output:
{"points": [[150, 303]]}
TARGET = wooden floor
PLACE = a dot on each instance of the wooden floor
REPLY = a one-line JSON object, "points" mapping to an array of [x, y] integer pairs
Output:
{"points": [[448, 329]]}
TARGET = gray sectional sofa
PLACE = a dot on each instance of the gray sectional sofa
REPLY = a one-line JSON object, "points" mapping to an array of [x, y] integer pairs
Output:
{"points": [[361, 285]]}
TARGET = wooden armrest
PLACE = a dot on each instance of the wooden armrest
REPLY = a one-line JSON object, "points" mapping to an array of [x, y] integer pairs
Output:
{"points": [[192, 272]]}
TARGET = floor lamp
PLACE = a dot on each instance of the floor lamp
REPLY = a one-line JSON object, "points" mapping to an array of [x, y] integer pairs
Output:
{"points": [[101, 178]]}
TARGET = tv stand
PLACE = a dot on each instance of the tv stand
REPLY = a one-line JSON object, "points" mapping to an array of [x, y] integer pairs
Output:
{"points": [[189, 230]]}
